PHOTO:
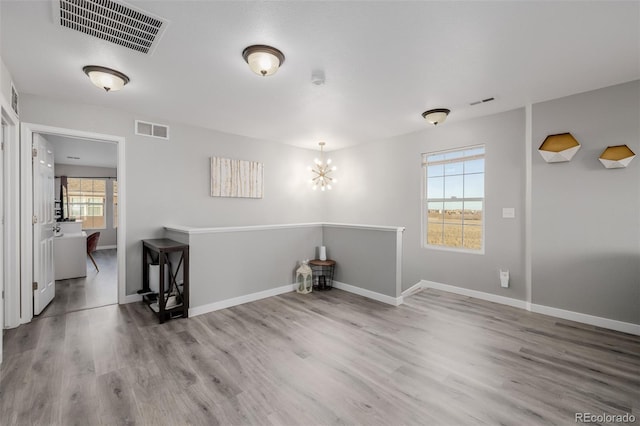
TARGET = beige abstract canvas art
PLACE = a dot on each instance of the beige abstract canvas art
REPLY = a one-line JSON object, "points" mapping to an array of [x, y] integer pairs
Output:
{"points": [[236, 178]]}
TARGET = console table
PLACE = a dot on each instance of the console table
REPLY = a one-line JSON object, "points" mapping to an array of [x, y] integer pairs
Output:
{"points": [[170, 301]]}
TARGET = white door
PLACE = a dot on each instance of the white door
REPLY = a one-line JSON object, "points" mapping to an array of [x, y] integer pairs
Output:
{"points": [[44, 223]]}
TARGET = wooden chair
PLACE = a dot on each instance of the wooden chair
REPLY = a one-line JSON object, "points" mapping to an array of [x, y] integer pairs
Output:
{"points": [[92, 244]]}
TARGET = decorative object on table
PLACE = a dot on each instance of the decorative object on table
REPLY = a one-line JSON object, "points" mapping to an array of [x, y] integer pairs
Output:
{"points": [[304, 278], [322, 253], [436, 116], [263, 60], [322, 171], [236, 178], [559, 148], [322, 273], [616, 157]]}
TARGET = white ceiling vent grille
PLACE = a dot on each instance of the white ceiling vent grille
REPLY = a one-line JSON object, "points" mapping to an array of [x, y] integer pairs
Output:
{"points": [[113, 21], [153, 130]]}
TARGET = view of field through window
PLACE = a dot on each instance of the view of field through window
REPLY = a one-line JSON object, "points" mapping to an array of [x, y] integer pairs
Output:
{"points": [[455, 198], [87, 201]]}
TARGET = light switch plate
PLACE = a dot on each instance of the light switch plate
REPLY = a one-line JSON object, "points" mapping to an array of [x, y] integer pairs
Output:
{"points": [[508, 212]]}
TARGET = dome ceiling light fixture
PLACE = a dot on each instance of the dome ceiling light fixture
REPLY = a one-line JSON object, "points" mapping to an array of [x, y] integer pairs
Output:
{"points": [[106, 78], [436, 116], [263, 60]]}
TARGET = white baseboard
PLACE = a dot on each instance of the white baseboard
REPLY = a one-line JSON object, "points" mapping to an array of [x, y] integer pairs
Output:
{"points": [[476, 294], [223, 304], [414, 288], [106, 247], [130, 298], [625, 327], [610, 324], [395, 301]]}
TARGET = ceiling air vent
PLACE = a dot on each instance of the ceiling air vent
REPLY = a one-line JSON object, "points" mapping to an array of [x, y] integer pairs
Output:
{"points": [[113, 21], [153, 130], [482, 101]]}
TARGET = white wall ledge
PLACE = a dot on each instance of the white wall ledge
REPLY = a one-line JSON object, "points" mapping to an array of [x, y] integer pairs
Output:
{"points": [[360, 226], [192, 230]]}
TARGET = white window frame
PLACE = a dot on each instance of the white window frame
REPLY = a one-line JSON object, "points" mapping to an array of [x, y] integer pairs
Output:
{"points": [[425, 201], [114, 205], [89, 204]]}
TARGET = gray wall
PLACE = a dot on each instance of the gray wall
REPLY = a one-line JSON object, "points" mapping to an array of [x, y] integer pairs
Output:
{"points": [[380, 183], [5, 84], [586, 219], [224, 265], [593, 272], [229, 263], [109, 235], [364, 258], [167, 182]]}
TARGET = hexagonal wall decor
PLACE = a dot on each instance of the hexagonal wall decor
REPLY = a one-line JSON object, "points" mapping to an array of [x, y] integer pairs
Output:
{"points": [[559, 148], [616, 157]]}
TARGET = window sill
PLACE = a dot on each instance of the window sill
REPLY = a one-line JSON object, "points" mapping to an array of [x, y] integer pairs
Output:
{"points": [[453, 249]]}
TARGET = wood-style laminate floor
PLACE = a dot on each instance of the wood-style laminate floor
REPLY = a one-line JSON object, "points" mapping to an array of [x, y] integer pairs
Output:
{"points": [[96, 289], [329, 358]]}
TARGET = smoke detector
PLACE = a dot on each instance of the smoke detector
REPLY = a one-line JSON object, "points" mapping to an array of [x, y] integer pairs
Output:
{"points": [[317, 78]]}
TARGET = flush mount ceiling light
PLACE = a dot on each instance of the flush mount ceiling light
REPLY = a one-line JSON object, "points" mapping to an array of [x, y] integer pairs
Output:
{"points": [[263, 60], [321, 171], [436, 116], [106, 78]]}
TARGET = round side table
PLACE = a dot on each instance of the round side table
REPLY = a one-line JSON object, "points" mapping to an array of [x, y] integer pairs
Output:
{"points": [[322, 273]]}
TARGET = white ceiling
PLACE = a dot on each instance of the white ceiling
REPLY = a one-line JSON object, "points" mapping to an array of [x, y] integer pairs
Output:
{"points": [[84, 152], [385, 62]]}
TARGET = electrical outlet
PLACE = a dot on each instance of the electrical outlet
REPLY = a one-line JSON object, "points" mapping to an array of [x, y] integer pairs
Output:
{"points": [[504, 278]]}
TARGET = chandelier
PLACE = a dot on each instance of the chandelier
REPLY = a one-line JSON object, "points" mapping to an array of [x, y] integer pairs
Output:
{"points": [[321, 171]]}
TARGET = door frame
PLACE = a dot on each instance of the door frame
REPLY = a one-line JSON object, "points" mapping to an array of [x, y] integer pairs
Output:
{"points": [[26, 134], [11, 317]]}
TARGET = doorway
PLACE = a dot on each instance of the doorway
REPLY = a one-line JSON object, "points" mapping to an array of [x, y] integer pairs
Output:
{"points": [[85, 199], [86, 141]]}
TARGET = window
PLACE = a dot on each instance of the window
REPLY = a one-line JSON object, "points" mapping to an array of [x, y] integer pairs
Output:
{"points": [[453, 203], [87, 201], [115, 203]]}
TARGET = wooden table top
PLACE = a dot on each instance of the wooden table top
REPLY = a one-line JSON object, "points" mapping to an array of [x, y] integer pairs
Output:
{"points": [[318, 262]]}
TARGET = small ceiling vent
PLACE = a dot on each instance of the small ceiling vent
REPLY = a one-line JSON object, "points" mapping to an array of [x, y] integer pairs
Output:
{"points": [[482, 101], [153, 130], [113, 21]]}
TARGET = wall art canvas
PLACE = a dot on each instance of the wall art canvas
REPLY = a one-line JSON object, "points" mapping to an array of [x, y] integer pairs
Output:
{"points": [[236, 178]]}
